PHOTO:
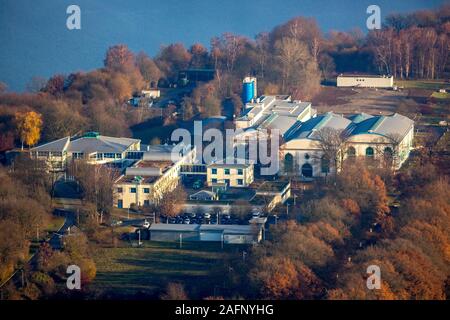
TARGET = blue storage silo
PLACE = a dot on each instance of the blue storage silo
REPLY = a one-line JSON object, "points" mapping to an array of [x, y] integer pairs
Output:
{"points": [[247, 91]]}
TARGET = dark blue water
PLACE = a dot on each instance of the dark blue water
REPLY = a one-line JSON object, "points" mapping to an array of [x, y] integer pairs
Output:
{"points": [[34, 40]]}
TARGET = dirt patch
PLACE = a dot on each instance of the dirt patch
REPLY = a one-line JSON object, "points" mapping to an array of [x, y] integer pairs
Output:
{"points": [[330, 96], [419, 95], [355, 100]]}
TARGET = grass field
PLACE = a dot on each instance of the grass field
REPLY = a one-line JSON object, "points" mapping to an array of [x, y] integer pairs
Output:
{"points": [[441, 95], [422, 84], [145, 271]]}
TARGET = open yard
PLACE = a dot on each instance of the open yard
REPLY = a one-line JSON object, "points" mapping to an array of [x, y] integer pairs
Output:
{"points": [[354, 100], [422, 84], [421, 100], [145, 271]]}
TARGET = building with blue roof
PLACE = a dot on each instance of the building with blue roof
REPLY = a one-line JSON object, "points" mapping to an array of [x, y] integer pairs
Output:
{"points": [[361, 135]]}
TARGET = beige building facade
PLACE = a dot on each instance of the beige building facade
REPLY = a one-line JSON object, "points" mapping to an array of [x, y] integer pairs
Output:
{"points": [[365, 81], [232, 174], [147, 181]]}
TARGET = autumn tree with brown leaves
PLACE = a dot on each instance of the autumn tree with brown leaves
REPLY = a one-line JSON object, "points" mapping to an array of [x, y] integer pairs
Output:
{"points": [[172, 202], [119, 58]]}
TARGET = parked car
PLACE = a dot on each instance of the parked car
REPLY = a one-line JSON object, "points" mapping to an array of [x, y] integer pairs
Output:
{"points": [[256, 214], [186, 221], [193, 215], [207, 216]]}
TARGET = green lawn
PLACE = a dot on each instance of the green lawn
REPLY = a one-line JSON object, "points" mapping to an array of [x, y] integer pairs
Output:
{"points": [[127, 270], [441, 95], [422, 84]]}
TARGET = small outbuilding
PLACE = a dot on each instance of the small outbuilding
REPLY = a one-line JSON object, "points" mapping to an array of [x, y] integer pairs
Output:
{"points": [[174, 232], [365, 81], [204, 195], [228, 234]]}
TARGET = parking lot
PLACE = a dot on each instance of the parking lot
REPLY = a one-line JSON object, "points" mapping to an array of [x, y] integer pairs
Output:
{"points": [[207, 218]]}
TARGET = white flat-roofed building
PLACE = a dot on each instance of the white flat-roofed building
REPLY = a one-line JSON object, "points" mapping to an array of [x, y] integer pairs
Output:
{"points": [[228, 234], [149, 179], [233, 173], [151, 93], [274, 112], [365, 81]]}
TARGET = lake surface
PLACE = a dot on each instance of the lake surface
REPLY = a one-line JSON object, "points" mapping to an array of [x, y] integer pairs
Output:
{"points": [[34, 39]]}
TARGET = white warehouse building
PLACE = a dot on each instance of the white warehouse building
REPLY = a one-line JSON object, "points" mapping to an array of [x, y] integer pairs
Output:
{"points": [[365, 81]]}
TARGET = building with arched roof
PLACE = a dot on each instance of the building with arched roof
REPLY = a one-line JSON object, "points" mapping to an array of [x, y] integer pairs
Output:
{"points": [[307, 152]]}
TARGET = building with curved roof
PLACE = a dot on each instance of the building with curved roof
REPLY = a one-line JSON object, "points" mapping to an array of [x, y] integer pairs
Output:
{"points": [[359, 135]]}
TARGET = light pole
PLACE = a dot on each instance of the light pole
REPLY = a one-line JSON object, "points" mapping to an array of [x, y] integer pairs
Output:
{"points": [[181, 240], [139, 237]]}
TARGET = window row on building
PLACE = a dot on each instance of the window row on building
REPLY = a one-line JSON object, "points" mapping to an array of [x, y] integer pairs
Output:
{"points": [[228, 171]]}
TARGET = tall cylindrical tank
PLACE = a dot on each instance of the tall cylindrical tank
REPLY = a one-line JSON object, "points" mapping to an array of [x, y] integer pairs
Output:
{"points": [[247, 91]]}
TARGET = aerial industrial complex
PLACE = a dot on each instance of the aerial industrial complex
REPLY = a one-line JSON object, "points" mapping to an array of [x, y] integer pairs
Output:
{"points": [[147, 173]]}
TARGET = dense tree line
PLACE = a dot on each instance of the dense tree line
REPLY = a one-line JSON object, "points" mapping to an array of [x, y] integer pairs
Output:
{"points": [[325, 251], [24, 211], [413, 46], [25, 215]]}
